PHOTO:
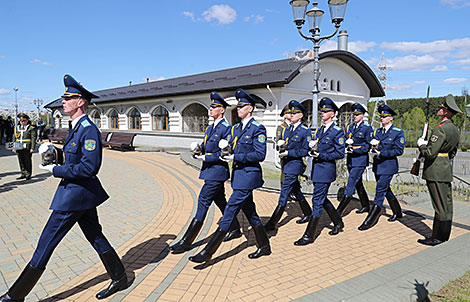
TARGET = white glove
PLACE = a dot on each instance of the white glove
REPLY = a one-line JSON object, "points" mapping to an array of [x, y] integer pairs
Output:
{"points": [[43, 147], [283, 154], [374, 142], [421, 141], [349, 141], [200, 157], [48, 167], [227, 158]]}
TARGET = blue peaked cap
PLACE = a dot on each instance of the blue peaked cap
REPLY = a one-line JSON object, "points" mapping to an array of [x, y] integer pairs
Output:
{"points": [[327, 104], [295, 106], [386, 110], [217, 100], [244, 98], [73, 88], [358, 108]]}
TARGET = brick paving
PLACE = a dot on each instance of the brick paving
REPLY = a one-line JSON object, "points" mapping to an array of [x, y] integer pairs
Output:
{"points": [[153, 197]]}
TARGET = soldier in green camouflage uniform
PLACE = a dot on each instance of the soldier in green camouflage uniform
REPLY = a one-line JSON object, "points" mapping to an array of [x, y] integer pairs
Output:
{"points": [[438, 156], [26, 135]]}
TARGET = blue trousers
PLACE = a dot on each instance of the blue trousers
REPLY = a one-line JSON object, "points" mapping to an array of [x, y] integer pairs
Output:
{"points": [[319, 198], [212, 190], [59, 224], [354, 181], [383, 189], [290, 184], [240, 199]]}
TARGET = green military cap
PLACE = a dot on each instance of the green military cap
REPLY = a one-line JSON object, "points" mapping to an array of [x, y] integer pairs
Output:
{"points": [[451, 104], [23, 116]]}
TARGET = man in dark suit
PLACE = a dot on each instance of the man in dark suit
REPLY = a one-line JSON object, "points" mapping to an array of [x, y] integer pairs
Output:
{"points": [[76, 199]]}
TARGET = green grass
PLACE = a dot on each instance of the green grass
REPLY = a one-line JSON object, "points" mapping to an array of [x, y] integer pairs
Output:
{"points": [[455, 291]]}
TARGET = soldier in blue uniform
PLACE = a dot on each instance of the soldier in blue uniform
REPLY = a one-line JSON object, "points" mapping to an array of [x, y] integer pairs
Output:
{"points": [[329, 140], [215, 172], [76, 199], [387, 144], [296, 137], [358, 137], [248, 143]]}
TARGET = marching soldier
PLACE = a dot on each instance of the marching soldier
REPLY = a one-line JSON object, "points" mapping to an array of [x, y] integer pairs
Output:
{"points": [[248, 142], [214, 172], [76, 199], [359, 134], [388, 143], [285, 114], [25, 134], [296, 137], [329, 140], [438, 154]]}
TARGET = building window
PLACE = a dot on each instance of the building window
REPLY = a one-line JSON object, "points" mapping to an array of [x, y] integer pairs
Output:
{"points": [[96, 118], [332, 85], [113, 120], [324, 85], [307, 119], [195, 118], [160, 119], [338, 86], [345, 116], [135, 119]]}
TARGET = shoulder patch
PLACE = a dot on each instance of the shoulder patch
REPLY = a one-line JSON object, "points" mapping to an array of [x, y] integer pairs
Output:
{"points": [[256, 124], [225, 124], [402, 140], [261, 138], [90, 144], [305, 127], [397, 129], [85, 123], [337, 128], [341, 140]]}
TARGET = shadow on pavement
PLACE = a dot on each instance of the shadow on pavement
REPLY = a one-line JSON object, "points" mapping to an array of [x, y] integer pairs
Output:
{"points": [[135, 258], [14, 184]]}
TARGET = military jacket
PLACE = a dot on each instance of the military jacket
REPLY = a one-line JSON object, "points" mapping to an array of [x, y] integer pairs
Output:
{"points": [[440, 151], [392, 145], [249, 149], [361, 136], [27, 136], [80, 188], [330, 148], [279, 130], [296, 147], [213, 168]]}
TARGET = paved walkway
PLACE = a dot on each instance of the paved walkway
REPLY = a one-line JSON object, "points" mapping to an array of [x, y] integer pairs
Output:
{"points": [[153, 197]]}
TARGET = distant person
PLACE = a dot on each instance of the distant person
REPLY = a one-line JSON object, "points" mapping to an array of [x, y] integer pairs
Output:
{"points": [[40, 125], [2, 128], [9, 126], [25, 135]]}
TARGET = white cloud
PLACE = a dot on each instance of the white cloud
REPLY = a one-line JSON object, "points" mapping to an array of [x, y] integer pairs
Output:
{"points": [[223, 13], [354, 46], [257, 19], [465, 68], [456, 3], [36, 61], [462, 62], [455, 80], [404, 86], [4, 91], [412, 62], [439, 68], [429, 47], [189, 15]]}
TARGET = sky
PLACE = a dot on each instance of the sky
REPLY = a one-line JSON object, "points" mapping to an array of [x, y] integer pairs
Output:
{"points": [[105, 44]]}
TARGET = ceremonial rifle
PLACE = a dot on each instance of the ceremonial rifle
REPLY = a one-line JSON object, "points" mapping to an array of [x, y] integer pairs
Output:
{"points": [[417, 163]]}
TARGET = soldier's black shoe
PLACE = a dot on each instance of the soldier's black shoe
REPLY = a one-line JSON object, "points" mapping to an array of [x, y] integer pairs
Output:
{"points": [[396, 209], [337, 228], [343, 204], [115, 269], [430, 241], [309, 235], [212, 246], [362, 210], [371, 218], [234, 231], [335, 218], [304, 219], [306, 210], [23, 285], [364, 199], [21, 177], [262, 242], [275, 217], [27, 177], [188, 238]]}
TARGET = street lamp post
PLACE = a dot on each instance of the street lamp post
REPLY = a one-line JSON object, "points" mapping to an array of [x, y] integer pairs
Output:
{"points": [[38, 103], [337, 11], [16, 106]]}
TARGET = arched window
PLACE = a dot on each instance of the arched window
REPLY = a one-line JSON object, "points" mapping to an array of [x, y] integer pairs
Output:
{"points": [[338, 86], [332, 85], [345, 115], [113, 120], [325, 84], [96, 118], [307, 119], [160, 119], [135, 119], [195, 118]]}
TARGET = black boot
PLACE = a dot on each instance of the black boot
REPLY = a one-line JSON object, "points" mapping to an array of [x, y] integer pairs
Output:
{"points": [[210, 248], [23, 285], [262, 242], [188, 238], [338, 224], [275, 217], [433, 240], [309, 235], [234, 231], [365, 203], [115, 269], [396, 209], [306, 210], [343, 204], [371, 218]]}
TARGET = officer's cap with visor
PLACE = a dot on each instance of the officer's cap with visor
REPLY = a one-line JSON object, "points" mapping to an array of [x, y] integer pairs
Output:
{"points": [[244, 98], [358, 109], [385, 110], [327, 104], [284, 110], [451, 105], [73, 88], [217, 100], [296, 107]]}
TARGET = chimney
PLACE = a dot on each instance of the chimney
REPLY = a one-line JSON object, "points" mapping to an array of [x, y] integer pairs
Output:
{"points": [[148, 79], [130, 83], [343, 40]]}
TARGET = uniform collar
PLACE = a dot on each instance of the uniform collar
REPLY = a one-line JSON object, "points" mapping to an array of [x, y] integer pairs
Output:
{"points": [[76, 120]]}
